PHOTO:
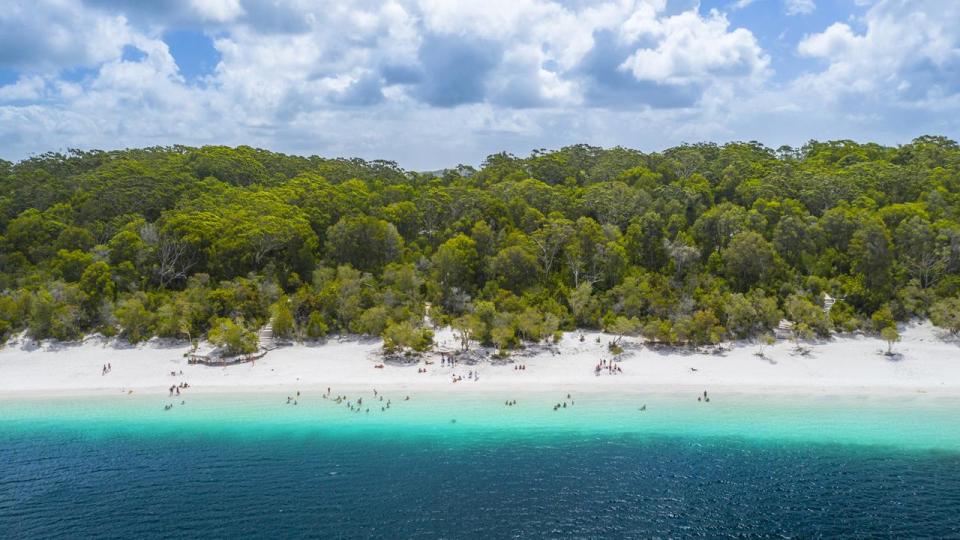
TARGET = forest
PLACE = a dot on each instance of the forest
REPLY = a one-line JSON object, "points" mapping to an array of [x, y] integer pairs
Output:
{"points": [[695, 245]]}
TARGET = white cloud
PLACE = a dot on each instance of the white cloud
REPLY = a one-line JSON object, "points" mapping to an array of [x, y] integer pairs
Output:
{"points": [[800, 7], [25, 89], [51, 34], [836, 40], [218, 10], [908, 54], [692, 49]]}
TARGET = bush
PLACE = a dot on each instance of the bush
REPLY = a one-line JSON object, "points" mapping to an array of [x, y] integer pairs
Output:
{"points": [[316, 327], [946, 314], [233, 336]]}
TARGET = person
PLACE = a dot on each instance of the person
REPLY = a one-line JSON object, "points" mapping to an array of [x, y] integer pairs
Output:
{"points": [[644, 407]]}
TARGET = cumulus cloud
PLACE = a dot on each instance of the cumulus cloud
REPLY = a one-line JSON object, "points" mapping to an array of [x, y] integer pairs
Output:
{"points": [[691, 49], [904, 55], [50, 34], [25, 89]]}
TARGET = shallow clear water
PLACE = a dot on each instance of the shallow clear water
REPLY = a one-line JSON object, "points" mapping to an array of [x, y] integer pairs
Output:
{"points": [[467, 466]]}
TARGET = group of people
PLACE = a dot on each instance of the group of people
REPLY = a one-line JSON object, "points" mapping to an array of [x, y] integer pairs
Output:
{"points": [[421, 370], [520, 367], [444, 361], [563, 405], [358, 405], [293, 400], [611, 367], [704, 398], [107, 368], [174, 389], [474, 376], [177, 387]]}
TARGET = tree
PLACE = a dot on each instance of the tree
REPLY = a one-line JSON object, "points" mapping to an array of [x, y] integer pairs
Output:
{"points": [[807, 318], [891, 336], [233, 336], [514, 267], [946, 314], [584, 251], [883, 318], [97, 285], [372, 321], [316, 327], [748, 259], [454, 264], [174, 258], [766, 340], [718, 226], [644, 241], [71, 264], [702, 328], [405, 337], [32, 233], [746, 315], [794, 239], [175, 318], [623, 326], [550, 239], [282, 321], [134, 319], [584, 305], [871, 254], [920, 252], [380, 241]]}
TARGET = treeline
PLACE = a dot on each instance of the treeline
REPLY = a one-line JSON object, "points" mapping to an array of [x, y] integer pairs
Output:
{"points": [[694, 245]]}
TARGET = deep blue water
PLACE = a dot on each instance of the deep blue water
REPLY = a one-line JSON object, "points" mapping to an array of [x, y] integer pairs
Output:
{"points": [[469, 484]]}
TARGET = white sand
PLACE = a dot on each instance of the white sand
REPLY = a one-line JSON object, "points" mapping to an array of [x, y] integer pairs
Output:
{"points": [[927, 363]]}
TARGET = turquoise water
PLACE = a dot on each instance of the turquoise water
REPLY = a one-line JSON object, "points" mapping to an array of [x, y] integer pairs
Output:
{"points": [[460, 466]]}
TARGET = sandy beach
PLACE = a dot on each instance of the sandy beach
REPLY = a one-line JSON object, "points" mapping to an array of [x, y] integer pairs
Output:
{"points": [[925, 362]]}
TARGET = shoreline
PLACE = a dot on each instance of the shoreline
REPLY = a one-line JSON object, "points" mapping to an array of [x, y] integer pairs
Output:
{"points": [[850, 391], [845, 366]]}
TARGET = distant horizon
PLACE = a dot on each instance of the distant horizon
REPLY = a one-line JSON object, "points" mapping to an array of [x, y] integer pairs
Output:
{"points": [[479, 162]]}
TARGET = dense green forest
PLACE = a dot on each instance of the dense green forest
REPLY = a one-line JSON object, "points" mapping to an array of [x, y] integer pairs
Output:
{"points": [[690, 246]]}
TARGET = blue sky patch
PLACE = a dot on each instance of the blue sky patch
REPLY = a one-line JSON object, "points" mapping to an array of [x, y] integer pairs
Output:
{"points": [[194, 53]]}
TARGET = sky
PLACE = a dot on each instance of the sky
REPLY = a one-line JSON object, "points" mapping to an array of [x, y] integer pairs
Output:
{"points": [[435, 83]]}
